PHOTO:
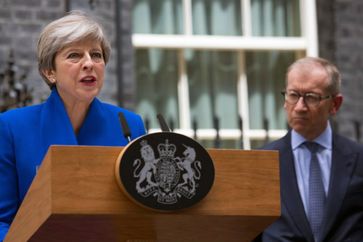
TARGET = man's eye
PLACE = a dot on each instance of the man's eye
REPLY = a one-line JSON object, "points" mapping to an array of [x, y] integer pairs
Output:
{"points": [[293, 95], [312, 97]]}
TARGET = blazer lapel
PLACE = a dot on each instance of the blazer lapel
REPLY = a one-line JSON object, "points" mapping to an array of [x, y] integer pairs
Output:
{"points": [[343, 161], [56, 125], [101, 127], [290, 191]]}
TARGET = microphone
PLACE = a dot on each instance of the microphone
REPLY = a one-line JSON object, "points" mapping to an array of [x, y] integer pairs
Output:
{"points": [[124, 126], [164, 127]]}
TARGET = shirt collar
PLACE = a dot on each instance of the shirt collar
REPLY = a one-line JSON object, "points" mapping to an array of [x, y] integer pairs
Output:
{"points": [[324, 139]]}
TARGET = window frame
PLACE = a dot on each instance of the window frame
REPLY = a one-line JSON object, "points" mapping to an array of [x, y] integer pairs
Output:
{"points": [[306, 44]]}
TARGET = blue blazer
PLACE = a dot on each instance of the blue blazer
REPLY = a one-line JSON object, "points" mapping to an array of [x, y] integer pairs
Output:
{"points": [[26, 134], [343, 219]]}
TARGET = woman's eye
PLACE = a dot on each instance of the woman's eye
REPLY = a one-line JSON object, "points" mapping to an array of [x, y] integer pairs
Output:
{"points": [[73, 55], [97, 55]]}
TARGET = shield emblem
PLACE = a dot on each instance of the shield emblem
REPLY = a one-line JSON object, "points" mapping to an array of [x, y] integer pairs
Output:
{"points": [[165, 171]]}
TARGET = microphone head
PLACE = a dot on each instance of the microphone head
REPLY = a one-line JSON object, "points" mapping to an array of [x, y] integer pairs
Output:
{"points": [[124, 126], [164, 127]]}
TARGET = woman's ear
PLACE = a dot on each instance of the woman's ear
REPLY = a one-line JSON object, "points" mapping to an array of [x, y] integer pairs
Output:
{"points": [[50, 75]]}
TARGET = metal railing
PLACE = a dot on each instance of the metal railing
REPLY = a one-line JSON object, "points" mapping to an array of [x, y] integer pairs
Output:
{"points": [[217, 136], [14, 92]]}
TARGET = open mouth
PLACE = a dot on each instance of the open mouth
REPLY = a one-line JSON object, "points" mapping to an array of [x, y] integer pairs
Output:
{"points": [[88, 79]]}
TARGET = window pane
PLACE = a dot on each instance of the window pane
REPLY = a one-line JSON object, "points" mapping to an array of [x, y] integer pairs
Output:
{"points": [[266, 79], [156, 78], [157, 17], [217, 17], [275, 17], [212, 87]]}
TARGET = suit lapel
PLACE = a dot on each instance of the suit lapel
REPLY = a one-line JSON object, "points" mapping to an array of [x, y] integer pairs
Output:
{"points": [[290, 191], [343, 160]]}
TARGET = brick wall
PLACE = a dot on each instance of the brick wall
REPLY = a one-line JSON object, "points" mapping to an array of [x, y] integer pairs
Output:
{"points": [[20, 25], [340, 40]]}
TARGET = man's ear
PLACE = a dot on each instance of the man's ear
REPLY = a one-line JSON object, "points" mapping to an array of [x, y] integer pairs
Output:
{"points": [[337, 102], [50, 76]]}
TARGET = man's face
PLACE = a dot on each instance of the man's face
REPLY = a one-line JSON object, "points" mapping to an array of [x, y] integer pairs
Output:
{"points": [[307, 119]]}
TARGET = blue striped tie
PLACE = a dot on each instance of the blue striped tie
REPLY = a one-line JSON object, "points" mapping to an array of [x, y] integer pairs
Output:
{"points": [[316, 191]]}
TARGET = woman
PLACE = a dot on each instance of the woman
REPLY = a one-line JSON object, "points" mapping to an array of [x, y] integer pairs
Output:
{"points": [[72, 54]]}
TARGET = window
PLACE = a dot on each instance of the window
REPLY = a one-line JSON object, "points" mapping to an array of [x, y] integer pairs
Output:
{"points": [[217, 67]]}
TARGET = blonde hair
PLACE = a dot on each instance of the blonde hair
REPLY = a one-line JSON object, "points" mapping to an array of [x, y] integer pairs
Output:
{"points": [[73, 27]]}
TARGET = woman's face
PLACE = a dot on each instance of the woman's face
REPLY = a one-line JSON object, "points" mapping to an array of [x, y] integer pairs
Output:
{"points": [[79, 72]]}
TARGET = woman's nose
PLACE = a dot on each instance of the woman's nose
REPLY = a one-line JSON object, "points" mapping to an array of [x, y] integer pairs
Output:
{"points": [[88, 62]]}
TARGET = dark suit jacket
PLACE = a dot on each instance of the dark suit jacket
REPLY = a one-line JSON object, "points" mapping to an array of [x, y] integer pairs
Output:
{"points": [[343, 219]]}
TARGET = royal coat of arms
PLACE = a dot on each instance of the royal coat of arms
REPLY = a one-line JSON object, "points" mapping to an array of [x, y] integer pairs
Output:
{"points": [[165, 171], [167, 176]]}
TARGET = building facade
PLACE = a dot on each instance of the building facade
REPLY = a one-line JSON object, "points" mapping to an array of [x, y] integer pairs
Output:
{"points": [[214, 69]]}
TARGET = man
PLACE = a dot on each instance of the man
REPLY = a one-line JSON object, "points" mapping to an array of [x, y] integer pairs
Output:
{"points": [[321, 187]]}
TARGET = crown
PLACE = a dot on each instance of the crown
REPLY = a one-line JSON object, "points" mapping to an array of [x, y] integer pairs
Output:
{"points": [[166, 149], [144, 143]]}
